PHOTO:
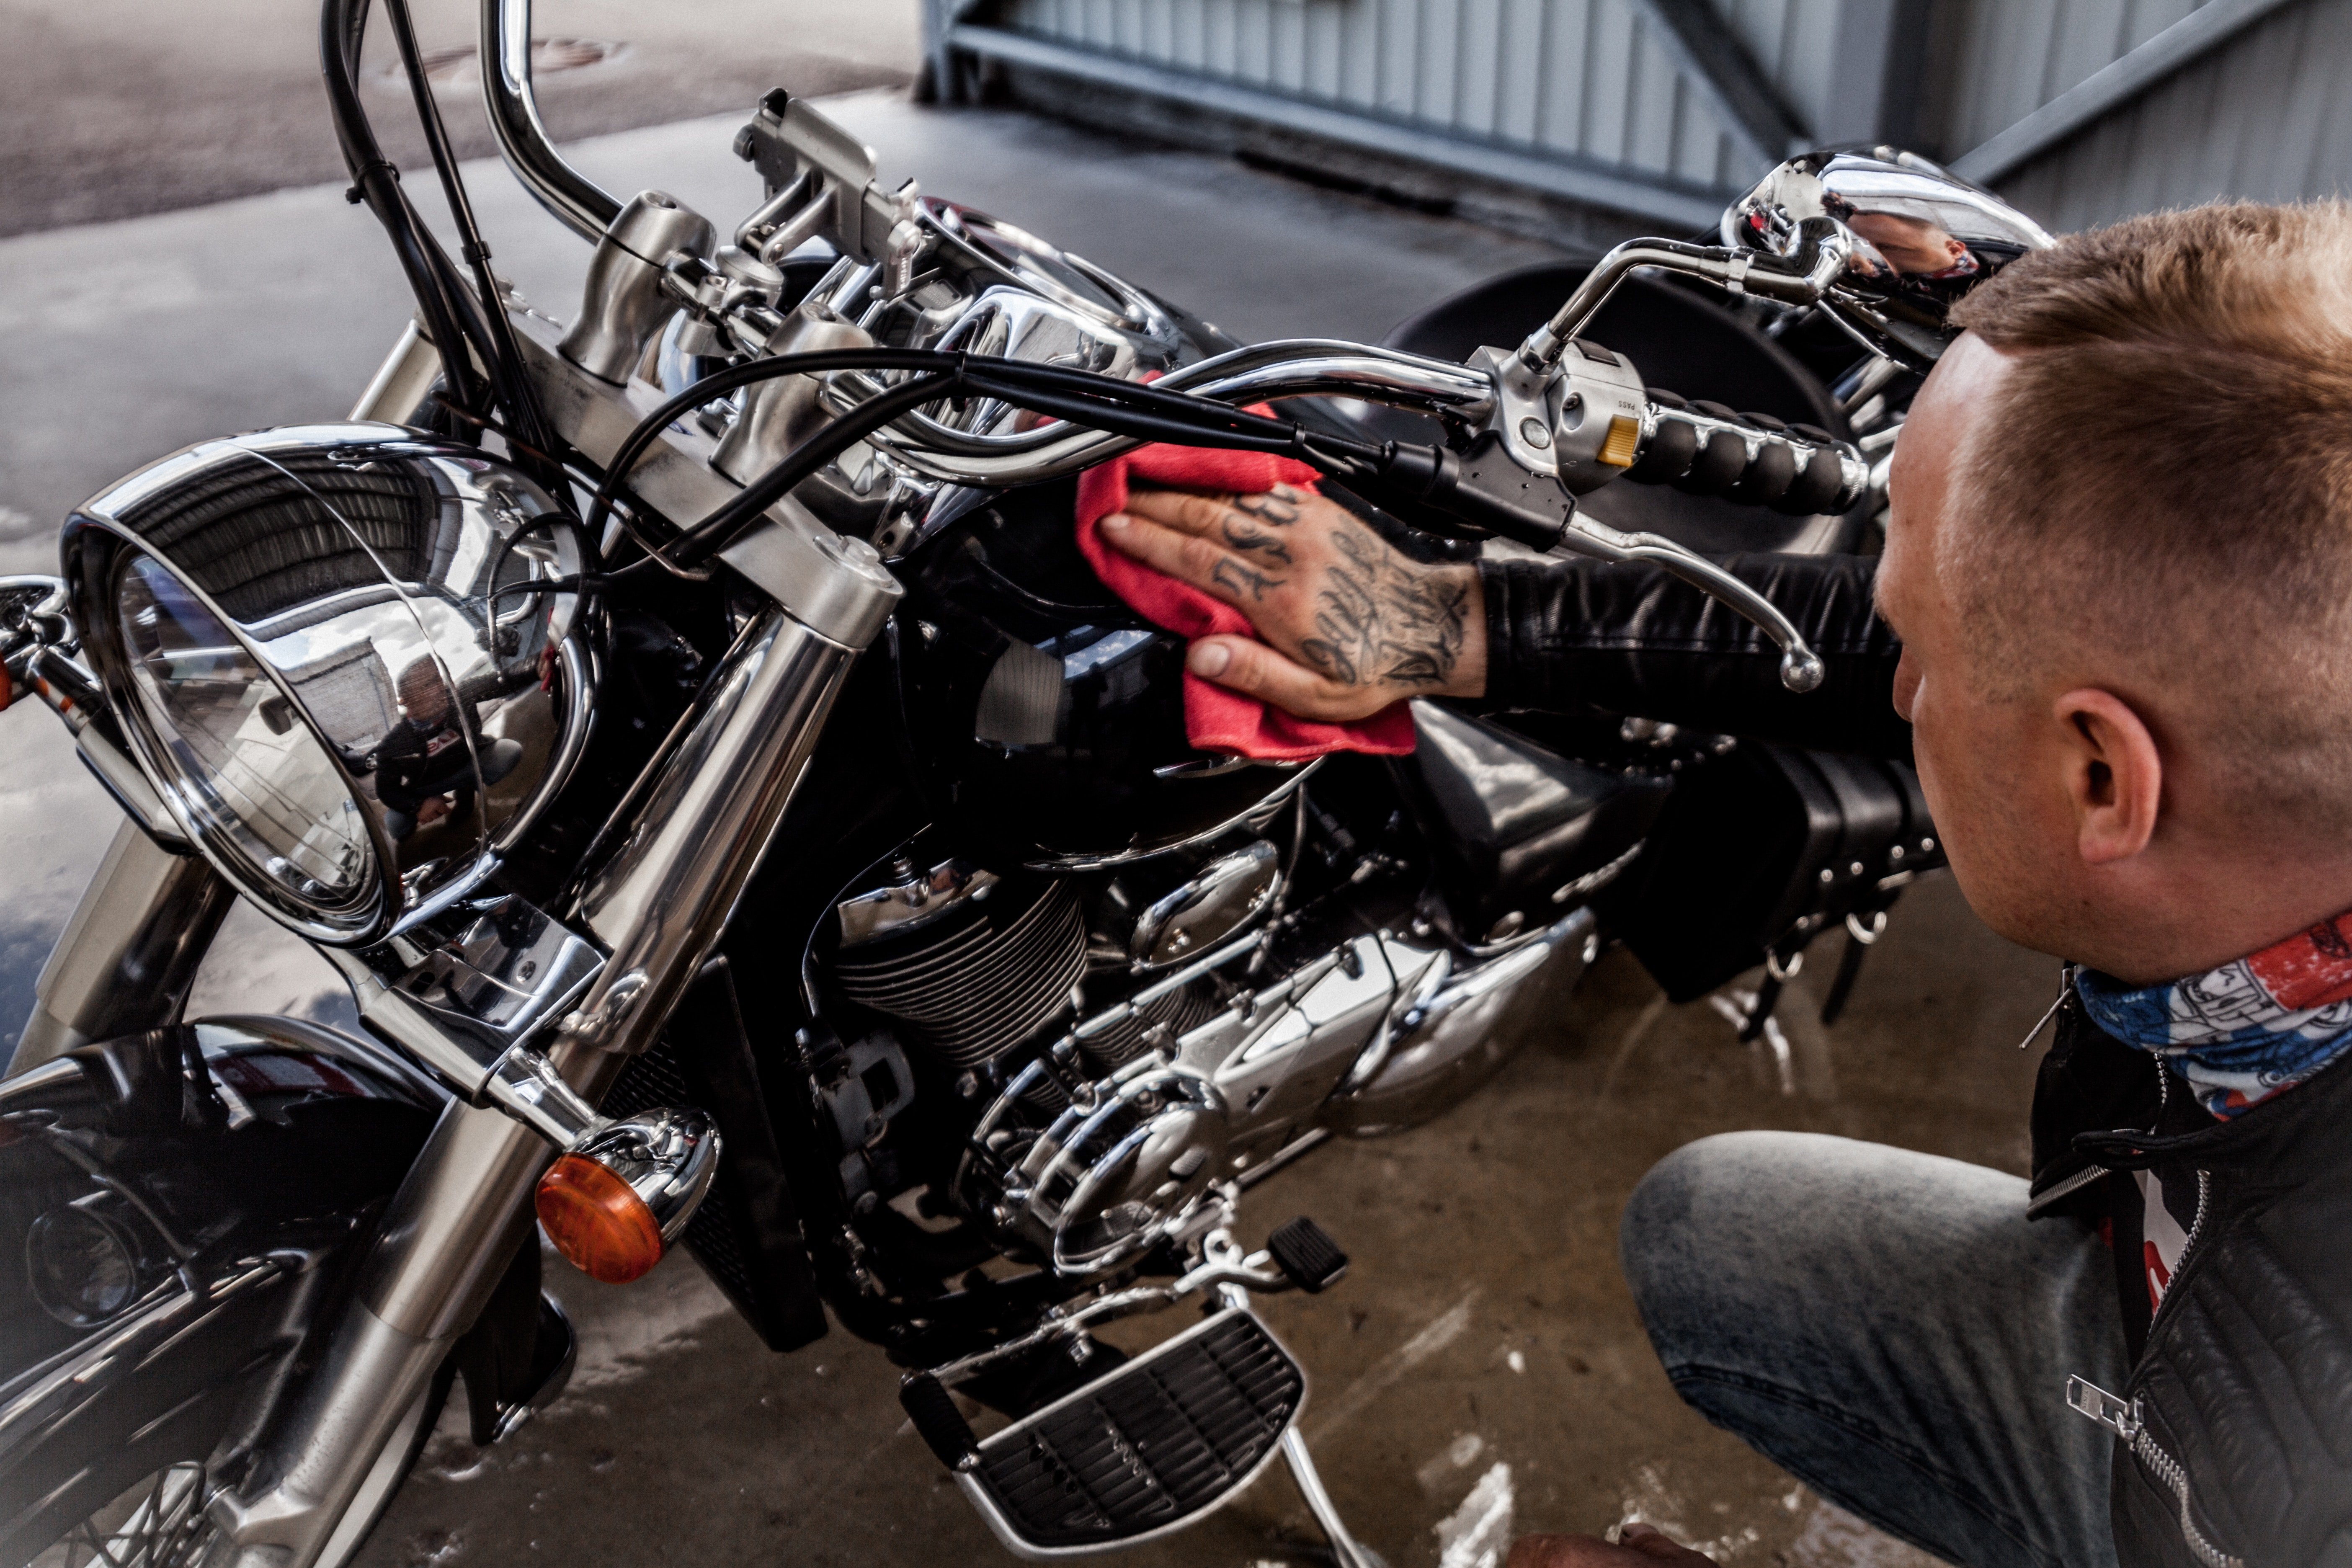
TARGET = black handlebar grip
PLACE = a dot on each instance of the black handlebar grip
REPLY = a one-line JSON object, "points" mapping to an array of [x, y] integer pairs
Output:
{"points": [[1817, 487], [1667, 454], [1767, 477], [1703, 448], [1721, 459]]}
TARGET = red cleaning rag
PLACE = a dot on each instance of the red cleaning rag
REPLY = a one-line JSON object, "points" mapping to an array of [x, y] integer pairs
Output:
{"points": [[1216, 719]]}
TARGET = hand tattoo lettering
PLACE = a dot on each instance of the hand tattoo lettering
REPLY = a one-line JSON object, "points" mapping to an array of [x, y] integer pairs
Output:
{"points": [[1238, 579], [1278, 506], [1380, 618], [1241, 536]]}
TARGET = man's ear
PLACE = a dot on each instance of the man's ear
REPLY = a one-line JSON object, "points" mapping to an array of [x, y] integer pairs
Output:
{"points": [[2114, 780]]}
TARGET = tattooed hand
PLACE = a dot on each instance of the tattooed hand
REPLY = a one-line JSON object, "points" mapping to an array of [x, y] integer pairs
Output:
{"points": [[1349, 625]]}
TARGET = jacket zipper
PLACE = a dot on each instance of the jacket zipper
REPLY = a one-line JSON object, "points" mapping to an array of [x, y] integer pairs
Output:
{"points": [[2064, 1190], [2124, 1421]]}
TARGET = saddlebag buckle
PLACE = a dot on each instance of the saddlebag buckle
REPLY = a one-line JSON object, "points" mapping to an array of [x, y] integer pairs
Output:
{"points": [[1155, 1445]]}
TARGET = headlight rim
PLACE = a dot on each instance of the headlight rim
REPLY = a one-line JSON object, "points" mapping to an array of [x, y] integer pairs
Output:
{"points": [[94, 572], [459, 503]]}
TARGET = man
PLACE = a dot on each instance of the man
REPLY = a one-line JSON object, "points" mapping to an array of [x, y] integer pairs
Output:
{"points": [[2120, 564]]}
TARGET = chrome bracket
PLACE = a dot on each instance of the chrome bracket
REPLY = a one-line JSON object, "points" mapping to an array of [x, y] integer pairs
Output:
{"points": [[462, 994]]}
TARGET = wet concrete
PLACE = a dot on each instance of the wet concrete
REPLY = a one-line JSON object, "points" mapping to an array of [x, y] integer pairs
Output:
{"points": [[1479, 1372]]}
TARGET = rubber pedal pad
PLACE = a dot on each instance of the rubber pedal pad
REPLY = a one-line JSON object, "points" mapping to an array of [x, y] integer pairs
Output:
{"points": [[1304, 1252]]}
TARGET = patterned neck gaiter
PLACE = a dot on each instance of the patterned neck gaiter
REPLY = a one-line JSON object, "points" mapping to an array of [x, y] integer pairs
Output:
{"points": [[2241, 1032]]}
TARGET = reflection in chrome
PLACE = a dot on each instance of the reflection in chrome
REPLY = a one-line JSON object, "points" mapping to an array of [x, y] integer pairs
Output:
{"points": [[1921, 239], [1219, 899], [668, 1157], [328, 651], [912, 900]]}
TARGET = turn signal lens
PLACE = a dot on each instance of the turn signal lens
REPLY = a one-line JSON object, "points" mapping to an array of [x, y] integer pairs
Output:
{"points": [[597, 1222]]}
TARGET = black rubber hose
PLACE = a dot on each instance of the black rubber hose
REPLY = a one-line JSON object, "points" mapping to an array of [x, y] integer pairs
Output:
{"points": [[734, 378], [721, 528], [1194, 420]]}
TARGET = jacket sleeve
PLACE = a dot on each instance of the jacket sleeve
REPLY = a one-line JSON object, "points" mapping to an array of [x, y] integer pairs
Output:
{"points": [[1632, 640]]}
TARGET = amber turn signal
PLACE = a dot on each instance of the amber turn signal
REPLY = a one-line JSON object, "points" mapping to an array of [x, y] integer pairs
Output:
{"points": [[597, 1221]]}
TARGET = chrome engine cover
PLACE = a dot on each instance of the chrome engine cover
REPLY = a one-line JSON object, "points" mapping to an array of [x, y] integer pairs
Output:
{"points": [[1115, 1169], [1379, 1034]]}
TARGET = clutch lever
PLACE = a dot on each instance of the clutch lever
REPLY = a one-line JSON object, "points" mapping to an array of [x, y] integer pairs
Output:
{"points": [[1802, 668]]}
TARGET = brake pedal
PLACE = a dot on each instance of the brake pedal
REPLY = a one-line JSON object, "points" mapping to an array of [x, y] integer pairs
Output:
{"points": [[938, 1421], [1305, 1253]]}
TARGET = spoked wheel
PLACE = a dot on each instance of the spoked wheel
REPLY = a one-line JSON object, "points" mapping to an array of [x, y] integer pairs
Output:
{"points": [[158, 1523]]}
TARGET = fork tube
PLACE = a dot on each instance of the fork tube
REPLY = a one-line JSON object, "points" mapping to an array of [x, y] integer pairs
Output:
{"points": [[667, 892], [448, 1234], [129, 953], [660, 904]]}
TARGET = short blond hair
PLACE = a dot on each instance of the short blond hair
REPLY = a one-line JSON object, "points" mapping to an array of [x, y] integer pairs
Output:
{"points": [[2169, 480]]}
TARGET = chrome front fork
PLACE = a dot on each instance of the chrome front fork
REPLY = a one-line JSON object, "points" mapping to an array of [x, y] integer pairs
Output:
{"points": [[129, 955], [660, 905]]}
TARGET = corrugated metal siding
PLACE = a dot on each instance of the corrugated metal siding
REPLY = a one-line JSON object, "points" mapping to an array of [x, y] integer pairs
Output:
{"points": [[1993, 62], [2268, 115], [1581, 78]]}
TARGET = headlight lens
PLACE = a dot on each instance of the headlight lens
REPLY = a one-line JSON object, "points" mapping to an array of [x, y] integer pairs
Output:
{"points": [[253, 780]]}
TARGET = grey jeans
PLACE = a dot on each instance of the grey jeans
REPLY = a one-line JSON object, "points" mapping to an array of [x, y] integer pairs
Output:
{"points": [[1888, 1327]]}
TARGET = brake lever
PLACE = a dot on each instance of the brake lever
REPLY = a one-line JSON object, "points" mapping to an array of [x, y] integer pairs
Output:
{"points": [[1802, 668]]}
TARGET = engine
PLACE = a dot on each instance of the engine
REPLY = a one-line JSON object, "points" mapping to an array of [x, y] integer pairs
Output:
{"points": [[1089, 1063], [1054, 1011]]}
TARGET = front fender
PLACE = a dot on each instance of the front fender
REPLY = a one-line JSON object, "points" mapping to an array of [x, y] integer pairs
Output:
{"points": [[171, 1206]]}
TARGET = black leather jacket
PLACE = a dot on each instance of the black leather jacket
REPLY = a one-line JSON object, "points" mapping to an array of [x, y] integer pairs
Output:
{"points": [[2234, 1431]]}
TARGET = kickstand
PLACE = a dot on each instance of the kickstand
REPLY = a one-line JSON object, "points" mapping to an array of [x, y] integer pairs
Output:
{"points": [[1345, 1549]]}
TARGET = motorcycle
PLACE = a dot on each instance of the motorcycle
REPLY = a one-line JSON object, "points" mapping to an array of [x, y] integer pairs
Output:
{"points": [[746, 824]]}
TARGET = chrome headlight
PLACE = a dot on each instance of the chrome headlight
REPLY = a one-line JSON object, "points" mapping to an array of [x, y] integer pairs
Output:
{"points": [[298, 634]]}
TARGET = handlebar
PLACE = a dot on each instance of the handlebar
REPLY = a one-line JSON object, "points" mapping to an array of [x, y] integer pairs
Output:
{"points": [[1705, 449]]}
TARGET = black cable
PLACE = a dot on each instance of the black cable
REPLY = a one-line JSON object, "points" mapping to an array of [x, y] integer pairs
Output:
{"points": [[720, 528], [1081, 398], [733, 378], [1119, 421], [1227, 425], [500, 351], [342, 25]]}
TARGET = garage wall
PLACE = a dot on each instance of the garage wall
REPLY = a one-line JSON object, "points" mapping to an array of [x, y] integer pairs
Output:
{"points": [[2267, 115], [2132, 103]]}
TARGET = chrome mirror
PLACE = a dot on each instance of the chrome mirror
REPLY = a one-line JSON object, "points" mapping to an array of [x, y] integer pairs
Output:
{"points": [[1922, 238]]}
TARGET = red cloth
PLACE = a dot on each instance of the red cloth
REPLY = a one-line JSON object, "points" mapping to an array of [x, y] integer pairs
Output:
{"points": [[1217, 718]]}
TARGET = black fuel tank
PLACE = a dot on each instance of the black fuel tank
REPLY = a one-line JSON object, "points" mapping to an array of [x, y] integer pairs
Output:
{"points": [[1048, 718]]}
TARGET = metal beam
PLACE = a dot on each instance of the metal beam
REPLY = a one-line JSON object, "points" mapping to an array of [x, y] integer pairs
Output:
{"points": [[2195, 36], [1680, 208], [1713, 59]]}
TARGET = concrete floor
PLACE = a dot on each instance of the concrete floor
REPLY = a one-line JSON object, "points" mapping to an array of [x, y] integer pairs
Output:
{"points": [[1480, 1371]]}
